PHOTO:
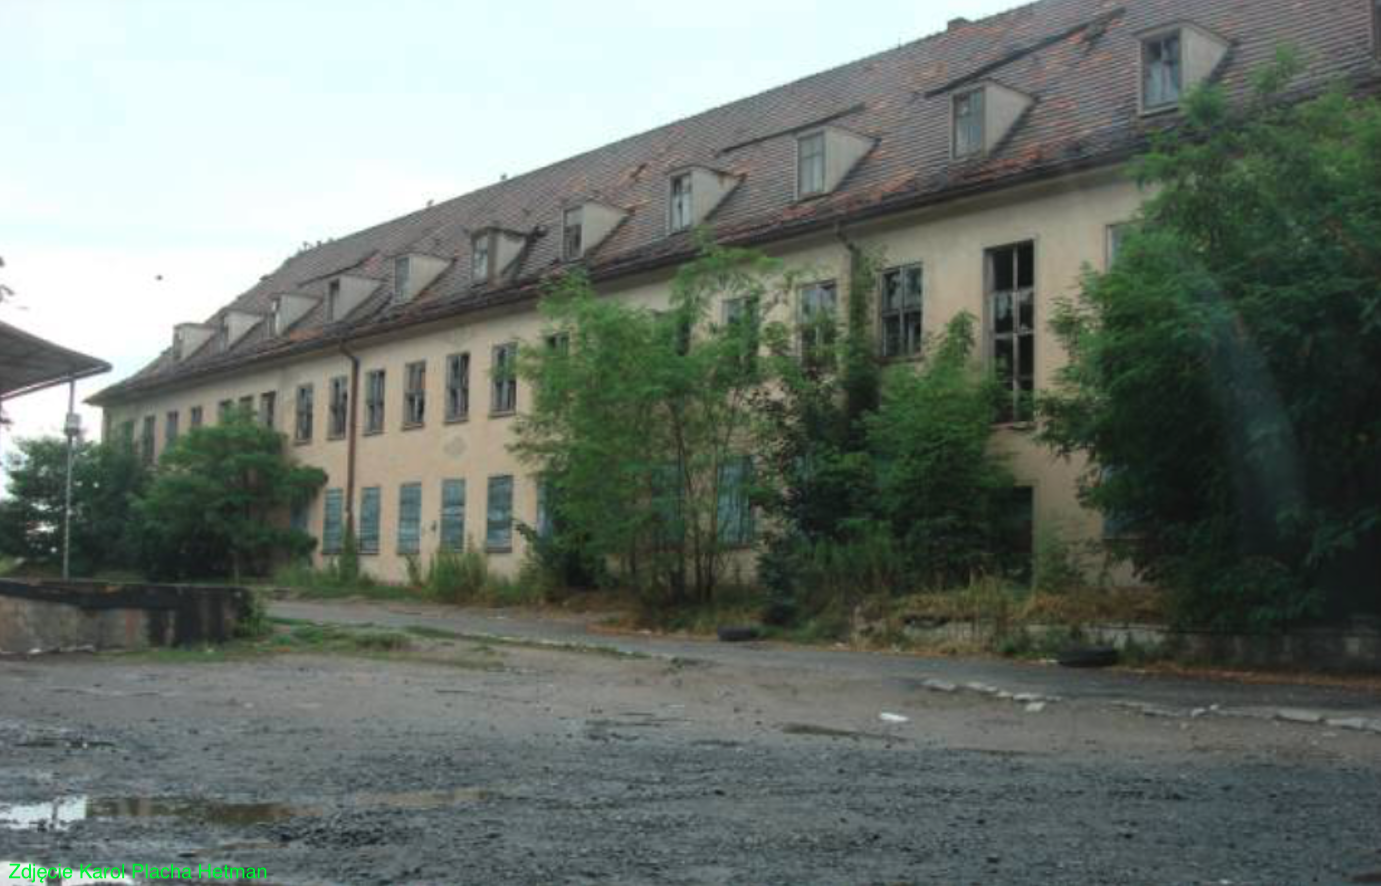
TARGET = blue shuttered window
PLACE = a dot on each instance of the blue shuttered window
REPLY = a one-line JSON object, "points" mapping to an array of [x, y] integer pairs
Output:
{"points": [[452, 515], [370, 502], [498, 530], [735, 510], [333, 522], [409, 518]]}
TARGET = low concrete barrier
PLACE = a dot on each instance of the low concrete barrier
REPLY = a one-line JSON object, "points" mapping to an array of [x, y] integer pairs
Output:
{"points": [[45, 616]]}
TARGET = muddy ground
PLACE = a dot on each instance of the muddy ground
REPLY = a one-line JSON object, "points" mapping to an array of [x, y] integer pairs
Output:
{"points": [[467, 761]]}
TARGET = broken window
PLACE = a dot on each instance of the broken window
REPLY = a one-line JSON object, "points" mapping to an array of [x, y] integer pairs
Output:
{"points": [[302, 424], [968, 123], [457, 387], [479, 257], [370, 503], [680, 213], [1162, 71], [819, 302], [810, 164], [1012, 326], [374, 401], [339, 407], [498, 530], [452, 515], [571, 243], [410, 518], [504, 395], [415, 395], [901, 311]]}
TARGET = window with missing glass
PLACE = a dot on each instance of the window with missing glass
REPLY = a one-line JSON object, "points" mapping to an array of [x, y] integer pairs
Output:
{"points": [[415, 394], [374, 382], [1162, 71], [969, 135], [339, 408], [457, 387], [817, 321], [302, 415], [1011, 321], [680, 209], [901, 311], [498, 531], [810, 164], [504, 372], [572, 245]]}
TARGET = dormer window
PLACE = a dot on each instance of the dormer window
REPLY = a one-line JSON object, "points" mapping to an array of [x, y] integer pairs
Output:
{"points": [[400, 277], [571, 244], [481, 251], [968, 123], [1174, 60], [1162, 71], [681, 208], [810, 165], [333, 300]]}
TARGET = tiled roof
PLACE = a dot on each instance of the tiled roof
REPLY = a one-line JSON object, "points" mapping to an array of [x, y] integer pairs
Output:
{"points": [[1077, 58]]}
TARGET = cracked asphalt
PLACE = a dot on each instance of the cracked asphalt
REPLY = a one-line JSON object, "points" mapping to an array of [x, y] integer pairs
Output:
{"points": [[560, 755]]}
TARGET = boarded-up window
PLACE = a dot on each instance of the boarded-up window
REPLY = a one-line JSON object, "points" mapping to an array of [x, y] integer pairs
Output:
{"points": [[498, 530], [415, 395], [457, 387], [452, 515], [374, 401], [370, 503], [333, 522], [409, 518], [901, 311], [735, 511], [1012, 326]]}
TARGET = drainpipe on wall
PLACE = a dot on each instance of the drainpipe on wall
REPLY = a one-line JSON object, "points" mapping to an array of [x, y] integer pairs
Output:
{"points": [[350, 436]]}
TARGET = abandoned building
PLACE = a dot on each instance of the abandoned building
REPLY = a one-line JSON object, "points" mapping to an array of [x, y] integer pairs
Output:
{"points": [[988, 163]]}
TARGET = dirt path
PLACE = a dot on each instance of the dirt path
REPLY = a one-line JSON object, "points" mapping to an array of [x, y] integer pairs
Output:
{"points": [[470, 761]]}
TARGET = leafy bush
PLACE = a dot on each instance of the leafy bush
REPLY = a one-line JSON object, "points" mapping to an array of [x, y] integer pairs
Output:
{"points": [[458, 576]]}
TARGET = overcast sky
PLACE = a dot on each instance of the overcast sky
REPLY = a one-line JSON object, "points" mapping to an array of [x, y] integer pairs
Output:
{"points": [[158, 156]]}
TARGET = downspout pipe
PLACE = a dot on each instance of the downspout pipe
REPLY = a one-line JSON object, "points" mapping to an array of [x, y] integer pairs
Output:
{"points": [[350, 435]]}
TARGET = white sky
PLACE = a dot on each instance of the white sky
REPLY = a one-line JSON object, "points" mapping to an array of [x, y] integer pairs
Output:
{"points": [[202, 141]]}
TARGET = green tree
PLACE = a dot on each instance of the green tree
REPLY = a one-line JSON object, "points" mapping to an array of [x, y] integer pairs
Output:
{"points": [[217, 502], [1224, 372], [105, 479], [637, 417]]}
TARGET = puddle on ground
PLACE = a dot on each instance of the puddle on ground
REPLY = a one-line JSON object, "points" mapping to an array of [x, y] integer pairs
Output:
{"points": [[63, 813], [827, 732]]}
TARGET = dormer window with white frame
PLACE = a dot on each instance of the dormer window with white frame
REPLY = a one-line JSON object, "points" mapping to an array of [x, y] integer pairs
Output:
{"points": [[572, 230], [982, 116], [344, 294], [825, 157], [968, 123], [401, 266], [680, 207], [585, 225], [481, 256], [333, 300], [1174, 60], [810, 164]]}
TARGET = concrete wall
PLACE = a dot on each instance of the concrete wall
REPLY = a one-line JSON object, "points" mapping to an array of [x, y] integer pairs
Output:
{"points": [[1067, 220]]}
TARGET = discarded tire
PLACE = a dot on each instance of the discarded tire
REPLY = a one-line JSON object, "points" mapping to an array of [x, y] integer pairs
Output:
{"points": [[1088, 657], [739, 634]]}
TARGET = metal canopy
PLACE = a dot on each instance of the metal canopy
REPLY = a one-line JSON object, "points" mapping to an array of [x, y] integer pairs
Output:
{"points": [[29, 363]]}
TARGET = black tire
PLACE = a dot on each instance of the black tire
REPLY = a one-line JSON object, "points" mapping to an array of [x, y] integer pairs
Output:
{"points": [[1088, 657], [742, 634]]}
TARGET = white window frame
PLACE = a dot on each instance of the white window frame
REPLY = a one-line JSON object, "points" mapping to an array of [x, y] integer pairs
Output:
{"points": [[1144, 70], [414, 394], [567, 252], [977, 100], [801, 157], [482, 257], [681, 206]]}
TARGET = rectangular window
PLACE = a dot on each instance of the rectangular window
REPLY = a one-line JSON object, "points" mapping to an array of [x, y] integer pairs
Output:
{"points": [[410, 518], [546, 524], [374, 381], [498, 524], [333, 300], [735, 511], [479, 257], [1161, 71], [302, 421], [170, 428], [127, 431], [743, 322], [370, 504], [452, 515], [817, 321], [333, 522], [146, 444], [1012, 326], [810, 165], [223, 411], [969, 134], [268, 409], [571, 242], [400, 277], [247, 407], [504, 396], [1115, 235], [680, 210], [339, 408], [194, 417], [415, 395], [902, 290], [559, 343], [457, 387]]}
